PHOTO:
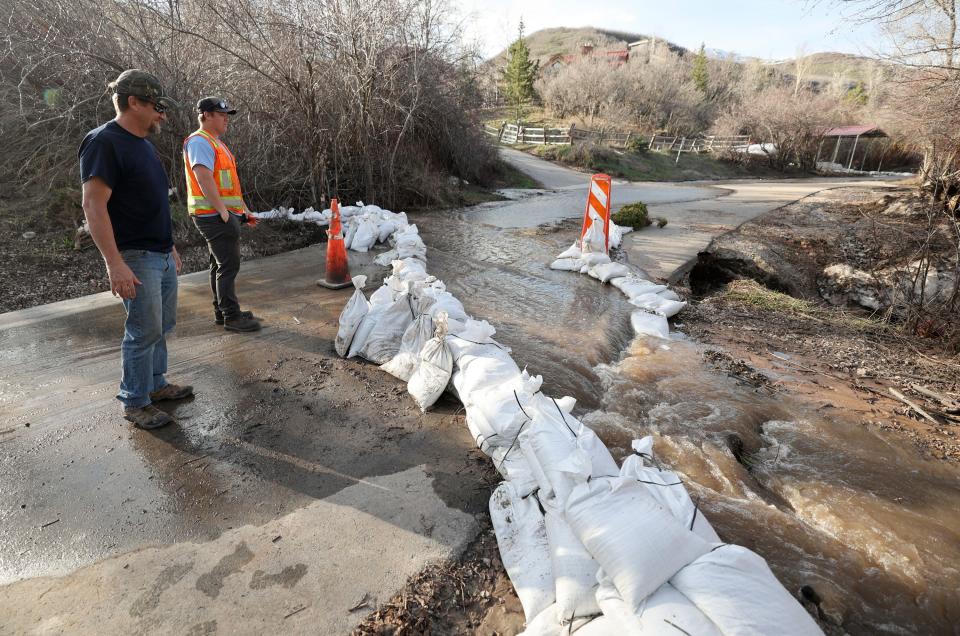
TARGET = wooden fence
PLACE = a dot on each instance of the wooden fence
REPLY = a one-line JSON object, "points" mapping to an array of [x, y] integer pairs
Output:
{"points": [[698, 143], [513, 134]]}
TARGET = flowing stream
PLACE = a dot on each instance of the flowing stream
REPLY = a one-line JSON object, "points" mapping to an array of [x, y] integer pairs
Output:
{"points": [[857, 520]]}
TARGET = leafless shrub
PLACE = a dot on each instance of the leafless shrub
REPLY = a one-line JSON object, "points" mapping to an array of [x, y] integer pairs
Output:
{"points": [[354, 98], [789, 125]]}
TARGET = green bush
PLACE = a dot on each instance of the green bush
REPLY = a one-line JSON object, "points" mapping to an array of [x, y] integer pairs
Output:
{"points": [[634, 215], [661, 222]]}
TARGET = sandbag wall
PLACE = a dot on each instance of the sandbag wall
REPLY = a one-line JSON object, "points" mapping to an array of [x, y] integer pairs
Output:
{"points": [[656, 303], [591, 547]]}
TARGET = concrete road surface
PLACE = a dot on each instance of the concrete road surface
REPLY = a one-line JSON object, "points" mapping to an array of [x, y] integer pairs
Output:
{"points": [[296, 485], [696, 211]]}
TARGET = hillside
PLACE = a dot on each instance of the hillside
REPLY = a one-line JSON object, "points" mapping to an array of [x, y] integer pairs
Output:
{"points": [[823, 68], [565, 41]]}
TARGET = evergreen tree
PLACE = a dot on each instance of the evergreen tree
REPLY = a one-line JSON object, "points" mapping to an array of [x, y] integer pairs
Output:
{"points": [[519, 75], [700, 77]]}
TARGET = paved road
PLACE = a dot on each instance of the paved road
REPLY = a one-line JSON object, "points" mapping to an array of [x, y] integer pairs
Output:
{"points": [[296, 482], [696, 211]]}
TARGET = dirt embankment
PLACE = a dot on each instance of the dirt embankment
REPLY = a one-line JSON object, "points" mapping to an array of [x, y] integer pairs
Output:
{"points": [[41, 265], [769, 294]]}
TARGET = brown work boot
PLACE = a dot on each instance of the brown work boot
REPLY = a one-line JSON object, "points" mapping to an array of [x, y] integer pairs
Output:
{"points": [[241, 323], [171, 392], [146, 417]]}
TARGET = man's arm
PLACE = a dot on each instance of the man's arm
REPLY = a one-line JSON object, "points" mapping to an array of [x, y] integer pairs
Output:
{"points": [[96, 193], [210, 191]]}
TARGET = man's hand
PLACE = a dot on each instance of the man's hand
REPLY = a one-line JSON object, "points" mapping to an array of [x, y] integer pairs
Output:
{"points": [[224, 216], [123, 282], [251, 220], [176, 260]]}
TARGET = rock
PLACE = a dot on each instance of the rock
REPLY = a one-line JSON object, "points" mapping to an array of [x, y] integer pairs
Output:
{"points": [[29, 235], [842, 284]]}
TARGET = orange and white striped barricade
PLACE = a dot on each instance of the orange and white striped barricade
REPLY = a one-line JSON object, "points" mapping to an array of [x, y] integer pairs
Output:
{"points": [[598, 200]]}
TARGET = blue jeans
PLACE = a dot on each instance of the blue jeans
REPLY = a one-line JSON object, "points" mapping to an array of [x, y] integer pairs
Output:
{"points": [[150, 317]]}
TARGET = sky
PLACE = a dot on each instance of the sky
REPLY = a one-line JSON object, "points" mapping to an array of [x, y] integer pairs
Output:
{"points": [[768, 29]]}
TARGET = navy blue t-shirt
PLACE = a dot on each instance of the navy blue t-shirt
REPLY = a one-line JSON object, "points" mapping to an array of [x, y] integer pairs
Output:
{"points": [[139, 205]]}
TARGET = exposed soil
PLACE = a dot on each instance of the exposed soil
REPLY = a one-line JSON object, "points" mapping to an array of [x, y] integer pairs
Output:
{"points": [[842, 357], [46, 268]]}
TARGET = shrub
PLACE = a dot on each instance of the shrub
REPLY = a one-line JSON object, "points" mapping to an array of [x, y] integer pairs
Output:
{"points": [[661, 222], [634, 215]]}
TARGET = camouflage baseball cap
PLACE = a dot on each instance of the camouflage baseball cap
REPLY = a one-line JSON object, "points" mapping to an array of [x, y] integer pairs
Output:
{"points": [[144, 85]]}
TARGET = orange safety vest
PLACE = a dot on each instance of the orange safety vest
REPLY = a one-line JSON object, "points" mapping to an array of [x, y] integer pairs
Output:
{"points": [[224, 174]]}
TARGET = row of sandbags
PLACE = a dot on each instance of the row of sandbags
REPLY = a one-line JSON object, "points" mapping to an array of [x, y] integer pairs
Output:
{"points": [[656, 303], [591, 547], [363, 225]]}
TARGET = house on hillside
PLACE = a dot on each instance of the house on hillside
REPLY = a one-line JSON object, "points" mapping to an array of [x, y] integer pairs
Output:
{"points": [[554, 63]]}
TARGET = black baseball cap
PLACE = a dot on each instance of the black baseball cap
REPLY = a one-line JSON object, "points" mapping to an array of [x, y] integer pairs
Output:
{"points": [[141, 84], [215, 105]]}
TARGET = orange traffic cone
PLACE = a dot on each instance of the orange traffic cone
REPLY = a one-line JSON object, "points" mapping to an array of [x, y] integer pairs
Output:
{"points": [[338, 271]]}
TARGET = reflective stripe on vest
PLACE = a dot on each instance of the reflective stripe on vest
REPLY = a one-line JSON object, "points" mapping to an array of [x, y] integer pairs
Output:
{"points": [[225, 171]]}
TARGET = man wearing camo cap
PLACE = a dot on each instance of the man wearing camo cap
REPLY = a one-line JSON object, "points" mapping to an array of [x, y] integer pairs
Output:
{"points": [[125, 201]]}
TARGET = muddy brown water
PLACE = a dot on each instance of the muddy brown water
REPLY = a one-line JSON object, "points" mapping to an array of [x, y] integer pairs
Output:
{"points": [[861, 522]]}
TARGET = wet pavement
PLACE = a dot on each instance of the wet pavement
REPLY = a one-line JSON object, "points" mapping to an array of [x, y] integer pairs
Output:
{"points": [[296, 483]]}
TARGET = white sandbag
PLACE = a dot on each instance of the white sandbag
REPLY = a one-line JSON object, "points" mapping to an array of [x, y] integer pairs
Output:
{"points": [[383, 297], [546, 623], [366, 326], [736, 590], [635, 540], [590, 259], [383, 342], [567, 264], [571, 252], [654, 303], [351, 317], [448, 303], [522, 540], [434, 367], [495, 415], [561, 451], [616, 235], [409, 269], [386, 258], [667, 488], [416, 335], [511, 463], [574, 570], [666, 611], [668, 294], [365, 236], [670, 308], [646, 323], [386, 229], [347, 211], [594, 240], [349, 231], [604, 272], [481, 366], [633, 286]]}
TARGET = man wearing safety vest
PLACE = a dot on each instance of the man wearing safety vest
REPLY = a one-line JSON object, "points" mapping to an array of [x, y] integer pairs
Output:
{"points": [[215, 202]]}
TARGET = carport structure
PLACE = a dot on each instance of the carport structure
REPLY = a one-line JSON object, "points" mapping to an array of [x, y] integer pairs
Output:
{"points": [[851, 136]]}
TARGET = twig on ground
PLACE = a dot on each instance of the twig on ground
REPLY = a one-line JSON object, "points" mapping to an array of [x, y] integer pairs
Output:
{"points": [[917, 409]]}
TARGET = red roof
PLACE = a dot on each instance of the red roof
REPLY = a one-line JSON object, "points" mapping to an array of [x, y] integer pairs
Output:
{"points": [[854, 131]]}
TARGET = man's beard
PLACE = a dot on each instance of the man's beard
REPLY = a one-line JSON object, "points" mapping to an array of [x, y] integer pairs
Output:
{"points": [[155, 128]]}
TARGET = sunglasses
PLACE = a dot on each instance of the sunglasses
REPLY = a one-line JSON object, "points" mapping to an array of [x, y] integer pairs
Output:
{"points": [[157, 107]]}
